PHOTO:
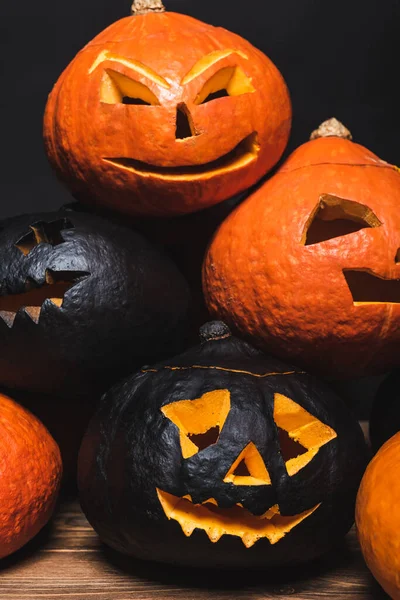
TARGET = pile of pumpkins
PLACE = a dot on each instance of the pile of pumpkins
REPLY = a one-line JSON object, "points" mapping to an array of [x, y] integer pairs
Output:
{"points": [[232, 453]]}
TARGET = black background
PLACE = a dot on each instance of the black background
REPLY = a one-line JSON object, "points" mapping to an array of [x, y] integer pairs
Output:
{"points": [[339, 59]]}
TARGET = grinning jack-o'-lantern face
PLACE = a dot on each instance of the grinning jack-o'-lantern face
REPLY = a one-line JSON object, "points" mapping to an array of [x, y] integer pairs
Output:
{"points": [[221, 457], [75, 294], [201, 425], [319, 281], [162, 114]]}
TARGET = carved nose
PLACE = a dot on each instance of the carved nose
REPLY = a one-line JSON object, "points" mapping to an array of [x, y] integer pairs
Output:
{"points": [[184, 125], [397, 257]]}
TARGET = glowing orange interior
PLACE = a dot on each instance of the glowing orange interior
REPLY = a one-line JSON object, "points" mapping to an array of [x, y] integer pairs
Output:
{"points": [[302, 427], [199, 421], [237, 521], [248, 469]]}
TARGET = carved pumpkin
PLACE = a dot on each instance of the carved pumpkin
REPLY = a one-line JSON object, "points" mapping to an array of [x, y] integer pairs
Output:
{"points": [[378, 516], [221, 457], [308, 266], [162, 114], [82, 301], [30, 475], [385, 414]]}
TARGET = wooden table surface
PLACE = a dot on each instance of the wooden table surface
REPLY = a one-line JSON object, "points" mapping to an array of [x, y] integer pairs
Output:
{"points": [[67, 560]]}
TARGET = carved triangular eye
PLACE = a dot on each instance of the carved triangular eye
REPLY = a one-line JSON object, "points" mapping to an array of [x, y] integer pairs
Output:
{"points": [[305, 433], [199, 421], [229, 81], [335, 217], [248, 469]]}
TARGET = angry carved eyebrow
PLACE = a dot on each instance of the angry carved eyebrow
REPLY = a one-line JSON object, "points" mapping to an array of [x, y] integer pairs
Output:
{"points": [[131, 64], [207, 61]]}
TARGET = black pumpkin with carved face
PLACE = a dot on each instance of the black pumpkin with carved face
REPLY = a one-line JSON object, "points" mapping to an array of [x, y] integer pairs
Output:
{"points": [[82, 302], [221, 457]]}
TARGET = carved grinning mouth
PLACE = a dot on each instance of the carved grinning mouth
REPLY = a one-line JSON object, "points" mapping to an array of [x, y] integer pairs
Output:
{"points": [[243, 154], [367, 288], [237, 521], [56, 285]]}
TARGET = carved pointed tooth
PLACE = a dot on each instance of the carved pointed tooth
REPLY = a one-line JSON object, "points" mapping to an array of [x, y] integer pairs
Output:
{"points": [[187, 497], [8, 317], [57, 301], [211, 501], [271, 512], [214, 534], [188, 529], [33, 312], [249, 539]]}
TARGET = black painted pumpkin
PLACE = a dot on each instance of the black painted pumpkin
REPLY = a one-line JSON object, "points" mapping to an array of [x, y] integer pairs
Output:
{"points": [[83, 301], [221, 457], [385, 414]]}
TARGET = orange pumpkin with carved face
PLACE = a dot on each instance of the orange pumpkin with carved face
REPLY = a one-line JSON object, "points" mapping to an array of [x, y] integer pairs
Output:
{"points": [[162, 114], [308, 267]]}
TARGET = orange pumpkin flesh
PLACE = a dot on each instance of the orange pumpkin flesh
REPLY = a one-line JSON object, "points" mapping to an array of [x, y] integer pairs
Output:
{"points": [[378, 516], [30, 475], [308, 267], [162, 114]]}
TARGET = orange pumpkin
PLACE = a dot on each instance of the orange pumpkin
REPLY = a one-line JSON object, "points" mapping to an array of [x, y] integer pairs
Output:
{"points": [[378, 516], [30, 475], [309, 266], [162, 114]]}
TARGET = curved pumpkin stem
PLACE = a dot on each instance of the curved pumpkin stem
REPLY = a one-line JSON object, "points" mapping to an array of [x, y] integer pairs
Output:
{"points": [[142, 7], [331, 127]]}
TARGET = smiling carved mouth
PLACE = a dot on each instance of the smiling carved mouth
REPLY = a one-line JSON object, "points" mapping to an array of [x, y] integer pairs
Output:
{"points": [[367, 288], [237, 521], [243, 154]]}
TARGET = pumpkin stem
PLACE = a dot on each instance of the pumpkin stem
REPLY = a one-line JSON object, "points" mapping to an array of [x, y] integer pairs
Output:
{"points": [[214, 330], [142, 7], [329, 128]]}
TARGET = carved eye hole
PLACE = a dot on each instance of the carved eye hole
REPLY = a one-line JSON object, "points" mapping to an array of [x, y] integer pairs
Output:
{"points": [[119, 89], [229, 81], [335, 217], [199, 421], [301, 435], [44, 232]]}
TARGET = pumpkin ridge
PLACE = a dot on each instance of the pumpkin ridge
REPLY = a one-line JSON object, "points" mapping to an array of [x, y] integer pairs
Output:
{"points": [[239, 371], [339, 164]]}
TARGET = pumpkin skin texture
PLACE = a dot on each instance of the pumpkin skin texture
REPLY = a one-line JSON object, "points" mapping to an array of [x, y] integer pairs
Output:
{"points": [[308, 266], [182, 151], [82, 302], [177, 434], [384, 420], [31, 471], [377, 516], [66, 419]]}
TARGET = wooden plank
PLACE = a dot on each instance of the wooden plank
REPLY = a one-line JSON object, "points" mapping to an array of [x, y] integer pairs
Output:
{"points": [[67, 560]]}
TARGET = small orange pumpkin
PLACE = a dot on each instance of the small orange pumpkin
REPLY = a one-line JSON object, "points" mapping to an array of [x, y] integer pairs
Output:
{"points": [[308, 267], [162, 114], [30, 475], [378, 516]]}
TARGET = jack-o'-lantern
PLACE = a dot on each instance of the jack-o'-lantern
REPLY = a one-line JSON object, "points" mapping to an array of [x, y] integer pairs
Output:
{"points": [[221, 457], [82, 301], [162, 114], [308, 267]]}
